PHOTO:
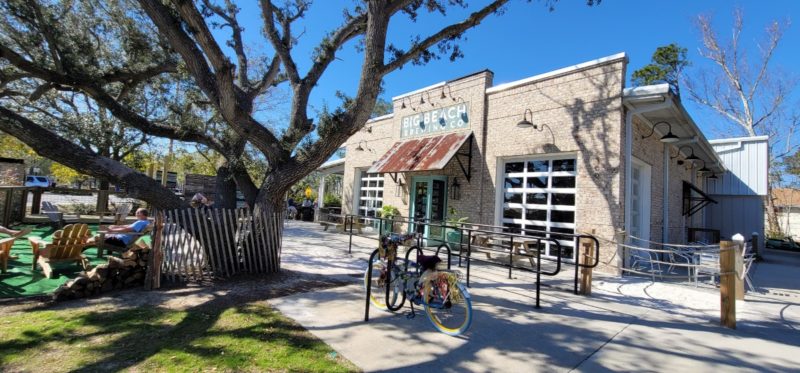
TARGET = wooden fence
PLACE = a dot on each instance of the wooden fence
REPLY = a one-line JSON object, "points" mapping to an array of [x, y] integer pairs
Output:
{"points": [[221, 242]]}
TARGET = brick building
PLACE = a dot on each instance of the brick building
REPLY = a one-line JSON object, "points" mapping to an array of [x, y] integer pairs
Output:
{"points": [[550, 153]]}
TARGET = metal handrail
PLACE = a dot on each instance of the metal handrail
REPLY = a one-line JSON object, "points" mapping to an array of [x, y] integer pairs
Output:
{"points": [[509, 237]]}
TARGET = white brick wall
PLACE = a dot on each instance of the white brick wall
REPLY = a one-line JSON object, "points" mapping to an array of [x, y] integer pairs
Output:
{"points": [[582, 115]]}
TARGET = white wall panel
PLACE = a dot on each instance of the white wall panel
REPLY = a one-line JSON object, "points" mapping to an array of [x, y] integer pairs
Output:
{"points": [[736, 214], [746, 162]]}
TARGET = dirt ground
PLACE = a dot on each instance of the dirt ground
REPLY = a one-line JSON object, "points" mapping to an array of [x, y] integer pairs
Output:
{"points": [[243, 289]]}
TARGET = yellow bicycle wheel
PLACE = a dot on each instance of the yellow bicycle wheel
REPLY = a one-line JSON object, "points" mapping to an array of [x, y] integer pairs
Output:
{"points": [[449, 313], [380, 275]]}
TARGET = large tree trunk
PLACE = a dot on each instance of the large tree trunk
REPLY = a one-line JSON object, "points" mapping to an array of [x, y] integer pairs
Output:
{"points": [[226, 189], [49, 145]]}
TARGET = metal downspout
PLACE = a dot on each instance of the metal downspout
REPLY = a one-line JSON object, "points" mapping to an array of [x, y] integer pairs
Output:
{"points": [[629, 153], [665, 199]]}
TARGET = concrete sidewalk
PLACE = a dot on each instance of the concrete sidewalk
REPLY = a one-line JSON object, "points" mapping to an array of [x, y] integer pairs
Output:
{"points": [[627, 324]]}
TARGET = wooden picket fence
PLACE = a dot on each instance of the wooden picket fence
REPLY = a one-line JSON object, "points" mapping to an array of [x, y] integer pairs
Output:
{"points": [[197, 243]]}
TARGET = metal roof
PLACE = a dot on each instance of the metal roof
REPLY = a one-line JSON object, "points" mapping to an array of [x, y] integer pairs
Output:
{"points": [[669, 108], [430, 153]]}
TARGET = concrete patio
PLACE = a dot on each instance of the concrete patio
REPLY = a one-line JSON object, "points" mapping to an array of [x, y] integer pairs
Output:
{"points": [[627, 324]]}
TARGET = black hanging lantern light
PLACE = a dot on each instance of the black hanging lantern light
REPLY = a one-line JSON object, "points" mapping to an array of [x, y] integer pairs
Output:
{"points": [[455, 190]]}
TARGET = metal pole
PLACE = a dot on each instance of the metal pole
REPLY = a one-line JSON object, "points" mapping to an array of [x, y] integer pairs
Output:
{"points": [[577, 265], [538, 270], [469, 251], [350, 248], [510, 257], [369, 284]]}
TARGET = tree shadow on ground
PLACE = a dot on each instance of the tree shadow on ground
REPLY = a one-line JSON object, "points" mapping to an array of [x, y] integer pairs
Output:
{"points": [[223, 331]]}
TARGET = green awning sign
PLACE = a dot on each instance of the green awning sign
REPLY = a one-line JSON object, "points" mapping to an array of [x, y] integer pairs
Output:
{"points": [[446, 119]]}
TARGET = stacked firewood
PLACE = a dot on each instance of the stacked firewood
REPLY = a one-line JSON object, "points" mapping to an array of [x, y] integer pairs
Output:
{"points": [[119, 273]]}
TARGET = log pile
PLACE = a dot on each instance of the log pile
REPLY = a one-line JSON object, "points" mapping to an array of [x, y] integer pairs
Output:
{"points": [[119, 273]]}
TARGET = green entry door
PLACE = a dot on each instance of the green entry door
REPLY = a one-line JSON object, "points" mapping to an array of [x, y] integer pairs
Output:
{"points": [[428, 205]]}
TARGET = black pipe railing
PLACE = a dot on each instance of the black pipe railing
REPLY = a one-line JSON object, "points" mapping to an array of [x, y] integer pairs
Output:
{"points": [[471, 232]]}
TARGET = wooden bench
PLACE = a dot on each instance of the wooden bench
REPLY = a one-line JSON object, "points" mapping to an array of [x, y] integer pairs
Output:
{"points": [[341, 227], [327, 224]]}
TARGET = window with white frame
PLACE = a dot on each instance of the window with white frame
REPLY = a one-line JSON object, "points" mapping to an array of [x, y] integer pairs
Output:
{"points": [[539, 195], [370, 198]]}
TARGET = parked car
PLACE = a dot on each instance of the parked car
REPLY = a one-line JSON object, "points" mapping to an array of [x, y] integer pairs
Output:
{"points": [[37, 181]]}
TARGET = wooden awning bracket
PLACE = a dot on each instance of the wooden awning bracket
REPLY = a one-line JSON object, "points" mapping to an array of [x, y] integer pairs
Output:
{"points": [[467, 170], [693, 204]]}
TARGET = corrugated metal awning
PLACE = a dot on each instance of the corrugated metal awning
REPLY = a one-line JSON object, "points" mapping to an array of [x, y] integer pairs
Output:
{"points": [[430, 153]]}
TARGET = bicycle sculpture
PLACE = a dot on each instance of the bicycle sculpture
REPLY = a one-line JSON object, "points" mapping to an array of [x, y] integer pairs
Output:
{"points": [[390, 280]]}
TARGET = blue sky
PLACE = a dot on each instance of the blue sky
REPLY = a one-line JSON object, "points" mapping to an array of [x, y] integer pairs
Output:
{"points": [[528, 40]]}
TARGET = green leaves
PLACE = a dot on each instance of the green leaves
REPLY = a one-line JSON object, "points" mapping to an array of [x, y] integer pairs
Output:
{"points": [[666, 66]]}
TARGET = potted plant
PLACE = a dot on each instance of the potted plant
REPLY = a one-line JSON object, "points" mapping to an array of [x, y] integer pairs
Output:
{"points": [[388, 213], [453, 236]]}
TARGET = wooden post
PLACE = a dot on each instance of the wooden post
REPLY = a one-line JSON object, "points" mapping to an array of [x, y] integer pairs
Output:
{"points": [[756, 245], [727, 283], [167, 161], [155, 256], [36, 205], [739, 266], [7, 207], [586, 273], [102, 201]]}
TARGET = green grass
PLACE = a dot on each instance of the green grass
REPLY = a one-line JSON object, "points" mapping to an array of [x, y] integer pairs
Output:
{"points": [[212, 337], [22, 281]]}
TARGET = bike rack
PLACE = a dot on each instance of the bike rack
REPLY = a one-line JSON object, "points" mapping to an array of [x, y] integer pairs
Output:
{"points": [[416, 249], [469, 234]]}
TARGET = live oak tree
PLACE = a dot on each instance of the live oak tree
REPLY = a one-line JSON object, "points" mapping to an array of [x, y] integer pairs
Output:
{"points": [[110, 49], [750, 95]]}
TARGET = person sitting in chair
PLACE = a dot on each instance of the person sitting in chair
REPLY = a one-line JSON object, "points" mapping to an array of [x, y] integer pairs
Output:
{"points": [[118, 238], [199, 201], [14, 233]]}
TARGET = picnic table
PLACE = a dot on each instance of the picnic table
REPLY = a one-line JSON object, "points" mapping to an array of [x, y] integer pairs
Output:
{"points": [[341, 223], [488, 244]]}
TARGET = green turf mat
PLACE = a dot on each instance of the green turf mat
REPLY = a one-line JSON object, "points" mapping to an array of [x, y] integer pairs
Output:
{"points": [[22, 281]]}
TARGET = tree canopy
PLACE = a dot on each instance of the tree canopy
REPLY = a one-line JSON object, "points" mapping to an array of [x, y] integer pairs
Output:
{"points": [[159, 67], [665, 66]]}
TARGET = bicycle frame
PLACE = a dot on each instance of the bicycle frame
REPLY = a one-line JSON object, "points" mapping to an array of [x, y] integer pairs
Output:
{"points": [[413, 282]]}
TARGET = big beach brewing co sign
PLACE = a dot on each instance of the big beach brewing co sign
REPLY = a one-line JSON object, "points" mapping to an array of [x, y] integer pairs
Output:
{"points": [[446, 119]]}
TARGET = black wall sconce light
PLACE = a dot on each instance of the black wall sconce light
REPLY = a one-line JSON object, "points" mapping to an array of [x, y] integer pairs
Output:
{"points": [[668, 138], [525, 122], [691, 156], [403, 102], [703, 169], [455, 190], [449, 93], [422, 98], [359, 148], [713, 176]]}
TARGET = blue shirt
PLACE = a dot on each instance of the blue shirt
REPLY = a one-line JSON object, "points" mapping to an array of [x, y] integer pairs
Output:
{"points": [[137, 226]]}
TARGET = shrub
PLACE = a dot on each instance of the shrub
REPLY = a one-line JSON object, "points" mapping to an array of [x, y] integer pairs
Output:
{"points": [[389, 212], [332, 200]]}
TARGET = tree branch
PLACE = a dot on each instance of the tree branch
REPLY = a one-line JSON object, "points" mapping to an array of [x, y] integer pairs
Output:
{"points": [[448, 32], [282, 45], [269, 79], [229, 15], [170, 27], [52, 146], [135, 77]]}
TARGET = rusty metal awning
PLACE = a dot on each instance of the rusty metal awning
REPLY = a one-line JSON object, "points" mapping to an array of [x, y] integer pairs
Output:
{"points": [[430, 153]]}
